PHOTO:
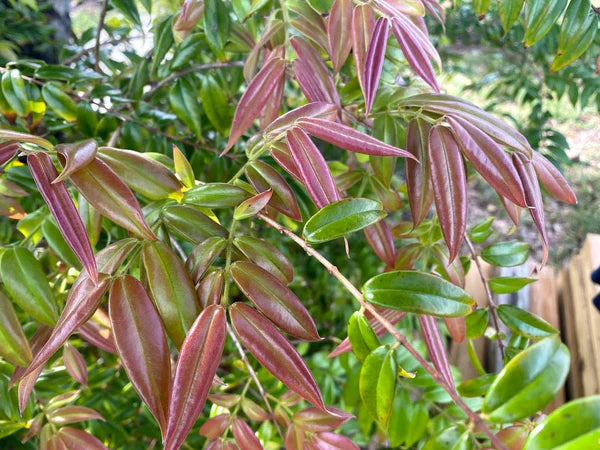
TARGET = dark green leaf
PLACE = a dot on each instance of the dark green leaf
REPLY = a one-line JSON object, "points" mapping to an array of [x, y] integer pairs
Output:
{"points": [[525, 323], [506, 254]]}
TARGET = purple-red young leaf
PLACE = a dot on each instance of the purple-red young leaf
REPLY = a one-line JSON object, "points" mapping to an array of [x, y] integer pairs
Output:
{"points": [[274, 352], [38, 339], [17, 136], [253, 205], [314, 420], [513, 211], [75, 156], [280, 153], [244, 436], [25, 387], [552, 179], [379, 236], [339, 31], [332, 441], [457, 328], [317, 109], [374, 60], [75, 364], [448, 179], [203, 255], [214, 427], [72, 414], [210, 289], [295, 438], [435, 347], [363, 23], [267, 256], [98, 335], [417, 173], [75, 439], [8, 150], [197, 365], [255, 97]]}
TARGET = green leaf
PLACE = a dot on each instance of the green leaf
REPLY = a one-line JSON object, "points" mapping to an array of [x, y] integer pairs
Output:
{"points": [[509, 11], [216, 25], [184, 102], [14, 346], [378, 378], [483, 230], [528, 382], [573, 426], [189, 48], [362, 337], [341, 218], [163, 40], [129, 9], [476, 387], [506, 254], [59, 102], [540, 17], [14, 92], [215, 104], [477, 322], [481, 7], [506, 285], [418, 292], [7, 427], [525, 323], [216, 195], [86, 119], [57, 243]]}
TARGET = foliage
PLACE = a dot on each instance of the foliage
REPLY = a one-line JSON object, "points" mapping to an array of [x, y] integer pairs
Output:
{"points": [[159, 210]]}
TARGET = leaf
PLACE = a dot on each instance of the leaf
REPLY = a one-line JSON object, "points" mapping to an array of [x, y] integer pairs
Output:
{"points": [[191, 224], [14, 92], [244, 436], [183, 168], [142, 345], [72, 414], [362, 337], [183, 100], [525, 323], [338, 32], [477, 322], [506, 254], [7, 150], [348, 138], [75, 364], [215, 426], [75, 156], [215, 104], [216, 25], [267, 256], [481, 7], [448, 179], [107, 192], [435, 348], [17, 136], [163, 40], [481, 231], [572, 426], [72, 438], [263, 177], [417, 171], [59, 102], [417, 292], [14, 346], [528, 382], [196, 367], [509, 11], [316, 421], [312, 168], [476, 387], [210, 289], [275, 300], [216, 195], [253, 411], [363, 23], [540, 17], [203, 255], [26, 283], [63, 209], [506, 285], [552, 180], [374, 61], [341, 218], [252, 206], [171, 290], [129, 9], [274, 352], [38, 339], [402, 7], [378, 377], [255, 97], [379, 237]]}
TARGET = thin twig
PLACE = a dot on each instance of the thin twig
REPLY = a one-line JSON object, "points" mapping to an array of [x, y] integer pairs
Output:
{"points": [[488, 293], [254, 377], [333, 270], [98, 33], [77, 56]]}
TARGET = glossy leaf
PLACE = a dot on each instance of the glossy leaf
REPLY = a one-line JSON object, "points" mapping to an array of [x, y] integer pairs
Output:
{"points": [[184, 101], [275, 300], [191, 224], [435, 347], [320, 110], [316, 421], [417, 172], [481, 231], [274, 352], [506, 285], [14, 346], [477, 322], [524, 322], [75, 364], [14, 92], [363, 23], [506, 254], [540, 17], [203, 256], [129, 9], [75, 156], [73, 438], [252, 206], [374, 60], [197, 365], [417, 292], [244, 436], [216, 195], [72, 414], [509, 11], [7, 150], [338, 32], [552, 180], [215, 426], [210, 289], [378, 378], [379, 237], [362, 337], [18, 136], [267, 256], [528, 382], [59, 102], [183, 168]]}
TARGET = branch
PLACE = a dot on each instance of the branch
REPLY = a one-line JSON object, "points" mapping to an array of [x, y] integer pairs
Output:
{"points": [[333, 270], [488, 293], [77, 56], [98, 33]]}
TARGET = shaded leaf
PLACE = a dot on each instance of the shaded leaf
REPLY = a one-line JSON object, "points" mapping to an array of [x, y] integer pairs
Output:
{"points": [[417, 171], [379, 236], [338, 32], [374, 60], [203, 256], [75, 364], [378, 377], [363, 23], [75, 156], [14, 346], [267, 256]]}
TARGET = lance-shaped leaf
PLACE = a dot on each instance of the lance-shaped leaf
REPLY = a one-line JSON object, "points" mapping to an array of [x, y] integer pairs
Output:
{"points": [[435, 348], [203, 256], [348, 138], [26, 283], [448, 179], [552, 180], [14, 92], [255, 97], [312, 168], [197, 365], [374, 60], [72, 414], [506, 254], [75, 364], [275, 300], [506, 285], [540, 17], [281, 154], [417, 173], [334, 441], [244, 436], [213, 427], [14, 346], [267, 256], [252, 206], [7, 150], [98, 335], [73, 438], [316, 421], [363, 339], [489, 159], [338, 32], [528, 382], [142, 345], [37, 341], [377, 385], [317, 109], [402, 7], [57, 243], [185, 104], [481, 7], [216, 195], [191, 224], [274, 352], [417, 292], [210, 289], [341, 218], [75, 156], [509, 11], [415, 45], [363, 23], [59, 102], [142, 174], [253, 411], [379, 236], [263, 177], [513, 211], [63, 209], [525, 323], [183, 168], [17, 136], [107, 192], [312, 74], [457, 328], [533, 196]]}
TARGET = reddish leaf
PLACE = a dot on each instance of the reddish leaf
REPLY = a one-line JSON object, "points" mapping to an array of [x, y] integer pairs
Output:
{"points": [[17, 136], [287, 120], [106, 192], [142, 345], [75, 364], [414, 45], [436, 10], [489, 159], [191, 224], [295, 438], [253, 411], [314, 420], [214, 427], [533, 196], [457, 328], [253, 205], [198, 362], [75, 156], [203, 256], [374, 61], [552, 179], [254, 99], [10, 189], [332, 441], [363, 23], [272, 28], [75, 439], [453, 272], [99, 336], [448, 179], [338, 32], [8, 150], [63, 209], [312, 74], [513, 211], [244, 436], [348, 138], [26, 385], [435, 347], [274, 352], [275, 300], [72, 414], [381, 241], [309, 22], [37, 341], [281, 154], [271, 110], [267, 256], [312, 168], [417, 173], [225, 400], [210, 289]]}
